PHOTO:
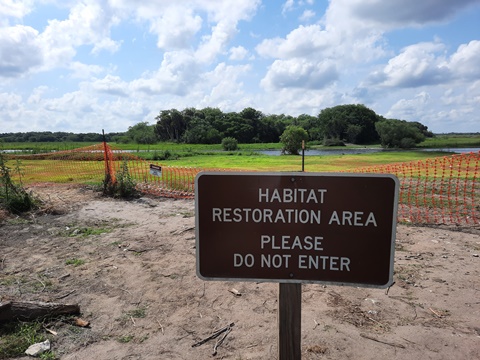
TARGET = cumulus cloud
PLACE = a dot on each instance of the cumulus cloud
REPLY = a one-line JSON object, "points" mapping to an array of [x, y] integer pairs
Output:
{"points": [[20, 50], [84, 71], [409, 108], [24, 49], [88, 24], [223, 88], [344, 57], [307, 15], [226, 15], [238, 53], [332, 41], [304, 41], [111, 85], [176, 27], [288, 6], [465, 61], [176, 75], [455, 112], [37, 94], [300, 73], [416, 65], [400, 13], [14, 9], [426, 64]]}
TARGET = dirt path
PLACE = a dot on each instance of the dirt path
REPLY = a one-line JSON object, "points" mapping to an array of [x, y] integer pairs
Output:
{"points": [[131, 268]]}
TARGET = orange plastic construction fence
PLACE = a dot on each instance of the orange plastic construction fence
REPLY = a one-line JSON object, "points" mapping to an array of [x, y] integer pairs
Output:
{"points": [[443, 190]]}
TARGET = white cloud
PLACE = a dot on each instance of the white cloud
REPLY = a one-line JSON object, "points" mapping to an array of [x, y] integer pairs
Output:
{"points": [[426, 64], [296, 101], [63, 113], [14, 9], [176, 27], [416, 65], [288, 6], [9, 102], [176, 75], [111, 85], [453, 111], [88, 24], [409, 109], [223, 89], [20, 50], [304, 41], [37, 94], [214, 44], [227, 15], [300, 73], [307, 15], [465, 61], [238, 53], [304, 69], [84, 71]]}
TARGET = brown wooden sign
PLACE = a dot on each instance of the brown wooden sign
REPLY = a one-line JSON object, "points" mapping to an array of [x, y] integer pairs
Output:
{"points": [[296, 227]]}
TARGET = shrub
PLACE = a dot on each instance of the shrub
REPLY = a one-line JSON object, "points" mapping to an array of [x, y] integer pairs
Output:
{"points": [[124, 185], [13, 197], [399, 133], [163, 155], [229, 144], [292, 139]]}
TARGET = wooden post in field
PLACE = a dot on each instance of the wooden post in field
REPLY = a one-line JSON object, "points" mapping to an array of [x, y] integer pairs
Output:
{"points": [[303, 155], [289, 321]]}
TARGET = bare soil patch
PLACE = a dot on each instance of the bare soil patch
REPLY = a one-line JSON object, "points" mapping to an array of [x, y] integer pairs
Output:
{"points": [[135, 282]]}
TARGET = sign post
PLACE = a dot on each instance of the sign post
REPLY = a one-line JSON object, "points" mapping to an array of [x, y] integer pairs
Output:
{"points": [[294, 228], [289, 321]]}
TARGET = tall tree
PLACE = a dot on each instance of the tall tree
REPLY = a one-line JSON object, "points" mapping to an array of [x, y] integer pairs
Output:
{"points": [[171, 125], [142, 133], [399, 133], [354, 123], [292, 139]]}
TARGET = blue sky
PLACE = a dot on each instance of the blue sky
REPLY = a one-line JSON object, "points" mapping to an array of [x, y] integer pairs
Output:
{"points": [[84, 66]]}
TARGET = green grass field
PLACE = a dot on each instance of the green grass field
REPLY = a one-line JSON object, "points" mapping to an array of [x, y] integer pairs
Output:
{"points": [[247, 157], [259, 162], [439, 141]]}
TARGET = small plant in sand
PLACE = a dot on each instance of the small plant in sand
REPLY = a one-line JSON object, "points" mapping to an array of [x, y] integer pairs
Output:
{"points": [[13, 197], [124, 186], [75, 262]]}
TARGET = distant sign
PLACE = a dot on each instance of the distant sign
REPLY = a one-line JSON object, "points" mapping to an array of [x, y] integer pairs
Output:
{"points": [[296, 227], [155, 170]]}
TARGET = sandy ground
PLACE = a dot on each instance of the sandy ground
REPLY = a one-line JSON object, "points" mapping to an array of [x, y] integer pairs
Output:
{"points": [[136, 285]]}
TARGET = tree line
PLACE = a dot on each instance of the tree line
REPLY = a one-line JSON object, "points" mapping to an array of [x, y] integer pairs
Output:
{"points": [[58, 136], [353, 123]]}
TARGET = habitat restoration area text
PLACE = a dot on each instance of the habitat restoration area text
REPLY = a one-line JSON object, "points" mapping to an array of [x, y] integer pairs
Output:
{"points": [[274, 248]]}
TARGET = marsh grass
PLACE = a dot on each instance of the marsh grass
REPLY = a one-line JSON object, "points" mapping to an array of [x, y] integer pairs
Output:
{"points": [[451, 141]]}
